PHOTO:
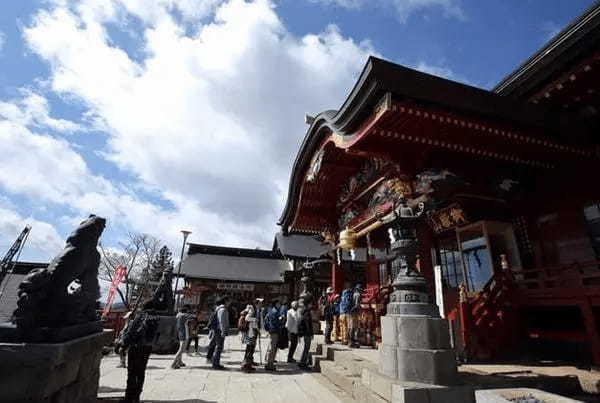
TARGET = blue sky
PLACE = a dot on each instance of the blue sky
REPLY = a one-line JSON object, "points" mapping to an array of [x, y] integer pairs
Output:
{"points": [[165, 114]]}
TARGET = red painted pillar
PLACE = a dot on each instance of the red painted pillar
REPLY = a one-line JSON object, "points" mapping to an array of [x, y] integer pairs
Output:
{"points": [[464, 317], [337, 278]]}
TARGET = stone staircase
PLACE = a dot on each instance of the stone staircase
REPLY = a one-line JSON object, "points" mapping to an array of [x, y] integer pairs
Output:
{"points": [[350, 373], [360, 380]]}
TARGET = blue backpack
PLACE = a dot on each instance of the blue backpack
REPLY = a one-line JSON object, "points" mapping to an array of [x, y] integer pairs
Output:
{"points": [[346, 304], [272, 322]]}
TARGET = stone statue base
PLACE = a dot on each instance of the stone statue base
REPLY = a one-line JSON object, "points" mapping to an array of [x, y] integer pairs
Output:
{"points": [[58, 372], [10, 334], [416, 349], [165, 339]]}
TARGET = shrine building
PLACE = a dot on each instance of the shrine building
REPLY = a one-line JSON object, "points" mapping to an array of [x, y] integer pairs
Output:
{"points": [[511, 212]]}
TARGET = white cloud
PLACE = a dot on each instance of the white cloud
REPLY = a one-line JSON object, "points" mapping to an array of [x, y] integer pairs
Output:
{"points": [[33, 109], [43, 241], [210, 122], [403, 8], [2, 40]]}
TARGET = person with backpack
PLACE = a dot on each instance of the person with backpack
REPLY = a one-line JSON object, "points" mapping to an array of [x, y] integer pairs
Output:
{"points": [[273, 324], [119, 348], [242, 325], [283, 341], [345, 308], [181, 324], [218, 324], [193, 334], [250, 324], [353, 317], [138, 337], [305, 330], [335, 333], [329, 314]]}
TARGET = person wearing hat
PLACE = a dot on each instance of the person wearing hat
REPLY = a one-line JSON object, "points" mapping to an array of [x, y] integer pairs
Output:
{"points": [[273, 324], [305, 331], [291, 324], [353, 317], [329, 314], [260, 313]]}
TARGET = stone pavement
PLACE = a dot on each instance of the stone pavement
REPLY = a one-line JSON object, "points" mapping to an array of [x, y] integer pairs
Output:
{"points": [[197, 382]]}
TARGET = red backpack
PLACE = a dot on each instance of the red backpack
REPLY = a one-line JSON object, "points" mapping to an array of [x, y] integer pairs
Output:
{"points": [[242, 323]]}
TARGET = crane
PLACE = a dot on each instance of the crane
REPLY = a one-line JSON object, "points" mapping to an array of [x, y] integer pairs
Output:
{"points": [[6, 263]]}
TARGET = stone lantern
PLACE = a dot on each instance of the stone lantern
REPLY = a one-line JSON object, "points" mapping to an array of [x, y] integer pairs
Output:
{"points": [[415, 347]]}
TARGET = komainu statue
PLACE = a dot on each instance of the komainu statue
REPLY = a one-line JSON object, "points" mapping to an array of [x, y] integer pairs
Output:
{"points": [[162, 300], [65, 294]]}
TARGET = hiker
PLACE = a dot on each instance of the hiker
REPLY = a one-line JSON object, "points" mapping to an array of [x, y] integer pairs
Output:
{"points": [[291, 324], [329, 314], [261, 312], [181, 324], [137, 338], [250, 335], [305, 330], [273, 323], [335, 333], [119, 347], [219, 325], [354, 312], [283, 341], [258, 302], [242, 325], [193, 334], [345, 307]]}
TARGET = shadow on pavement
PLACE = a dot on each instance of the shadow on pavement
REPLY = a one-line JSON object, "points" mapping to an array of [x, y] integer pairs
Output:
{"points": [[180, 401], [117, 399], [108, 389]]}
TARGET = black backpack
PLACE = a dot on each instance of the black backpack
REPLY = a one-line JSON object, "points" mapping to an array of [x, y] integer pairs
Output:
{"points": [[213, 321], [140, 330]]}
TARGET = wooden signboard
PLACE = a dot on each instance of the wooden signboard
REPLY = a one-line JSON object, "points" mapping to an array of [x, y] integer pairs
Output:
{"points": [[447, 218]]}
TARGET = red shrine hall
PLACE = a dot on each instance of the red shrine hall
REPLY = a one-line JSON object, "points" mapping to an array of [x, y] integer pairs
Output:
{"points": [[508, 180]]}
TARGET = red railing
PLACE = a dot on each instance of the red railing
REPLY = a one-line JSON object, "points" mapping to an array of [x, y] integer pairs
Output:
{"points": [[487, 318], [575, 275]]}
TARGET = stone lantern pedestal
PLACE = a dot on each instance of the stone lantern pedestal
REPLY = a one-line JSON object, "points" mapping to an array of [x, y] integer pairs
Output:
{"points": [[415, 349]]}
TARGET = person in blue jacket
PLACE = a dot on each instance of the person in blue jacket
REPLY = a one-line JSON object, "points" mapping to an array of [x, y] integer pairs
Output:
{"points": [[345, 309], [273, 324]]}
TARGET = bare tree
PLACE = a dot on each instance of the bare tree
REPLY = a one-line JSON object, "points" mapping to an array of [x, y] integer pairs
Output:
{"points": [[136, 255]]}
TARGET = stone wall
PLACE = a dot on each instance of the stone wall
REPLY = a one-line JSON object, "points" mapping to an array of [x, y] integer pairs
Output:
{"points": [[53, 373]]}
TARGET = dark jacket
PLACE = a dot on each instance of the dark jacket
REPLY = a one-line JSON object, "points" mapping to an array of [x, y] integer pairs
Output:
{"points": [[140, 331], [356, 297], [273, 322], [305, 327]]}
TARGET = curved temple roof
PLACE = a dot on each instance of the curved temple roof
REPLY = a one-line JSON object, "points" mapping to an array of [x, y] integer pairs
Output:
{"points": [[380, 78]]}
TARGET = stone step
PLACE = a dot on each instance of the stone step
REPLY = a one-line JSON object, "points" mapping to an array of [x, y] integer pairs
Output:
{"points": [[349, 383], [344, 356], [342, 377]]}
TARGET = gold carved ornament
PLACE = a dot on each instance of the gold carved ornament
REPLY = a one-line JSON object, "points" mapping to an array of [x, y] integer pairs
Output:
{"points": [[390, 190]]}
